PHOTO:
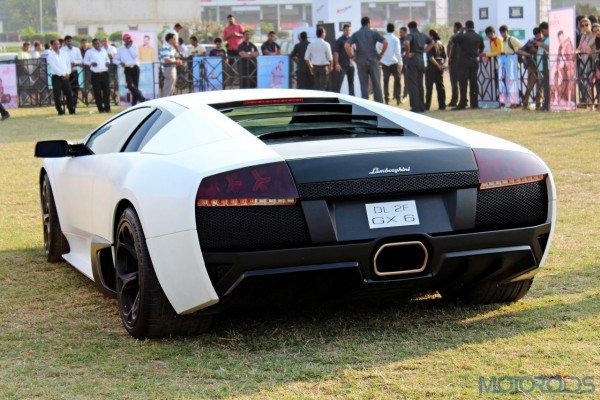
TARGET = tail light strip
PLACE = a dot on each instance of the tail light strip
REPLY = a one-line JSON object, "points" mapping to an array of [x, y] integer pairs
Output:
{"points": [[244, 202], [499, 168], [259, 185], [512, 181]]}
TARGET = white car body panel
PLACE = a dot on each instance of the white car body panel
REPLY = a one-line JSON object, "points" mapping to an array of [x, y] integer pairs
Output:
{"points": [[162, 179], [181, 271]]}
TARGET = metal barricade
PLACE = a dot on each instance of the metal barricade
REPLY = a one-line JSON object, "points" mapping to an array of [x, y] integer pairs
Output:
{"points": [[586, 70], [33, 84], [546, 81], [557, 82], [487, 79]]}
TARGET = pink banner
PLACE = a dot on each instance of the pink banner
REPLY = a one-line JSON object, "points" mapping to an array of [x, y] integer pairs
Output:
{"points": [[8, 86], [147, 44], [562, 65]]}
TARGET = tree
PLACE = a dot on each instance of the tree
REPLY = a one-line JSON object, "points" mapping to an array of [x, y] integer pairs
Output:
{"points": [[445, 31], [26, 13], [116, 36], [586, 9]]}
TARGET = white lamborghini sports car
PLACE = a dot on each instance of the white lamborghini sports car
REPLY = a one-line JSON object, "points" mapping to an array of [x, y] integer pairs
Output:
{"points": [[183, 206]]}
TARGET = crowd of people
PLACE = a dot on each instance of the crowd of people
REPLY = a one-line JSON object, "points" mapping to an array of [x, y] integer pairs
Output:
{"points": [[63, 59], [407, 54], [421, 60]]}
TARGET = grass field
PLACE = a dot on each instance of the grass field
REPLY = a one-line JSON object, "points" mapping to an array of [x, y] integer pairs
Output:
{"points": [[60, 338]]}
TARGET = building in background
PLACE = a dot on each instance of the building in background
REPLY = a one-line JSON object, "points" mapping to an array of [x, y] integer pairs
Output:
{"points": [[88, 17], [288, 14], [91, 16]]}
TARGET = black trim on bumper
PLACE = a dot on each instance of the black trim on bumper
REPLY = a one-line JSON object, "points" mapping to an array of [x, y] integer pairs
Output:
{"points": [[336, 270]]}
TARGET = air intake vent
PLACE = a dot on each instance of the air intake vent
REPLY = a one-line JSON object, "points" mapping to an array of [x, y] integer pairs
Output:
{"points": [[512, 206], [250, 228]]}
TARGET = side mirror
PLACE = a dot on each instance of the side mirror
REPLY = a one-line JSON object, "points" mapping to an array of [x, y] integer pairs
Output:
{"points": [[59, 148], [51, 149]]}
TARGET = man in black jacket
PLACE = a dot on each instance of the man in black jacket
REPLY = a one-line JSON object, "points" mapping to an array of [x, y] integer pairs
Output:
{"points": [[304, 79], [453, 53], [471, 46], [416, 44]]}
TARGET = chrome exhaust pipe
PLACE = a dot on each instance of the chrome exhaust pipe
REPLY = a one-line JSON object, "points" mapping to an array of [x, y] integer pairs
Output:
{"points": [[400, 258]]}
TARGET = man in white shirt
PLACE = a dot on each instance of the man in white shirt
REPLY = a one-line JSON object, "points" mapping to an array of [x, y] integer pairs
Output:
{"points": [[175, 31], [25, 66], [37, 50], [24, 54], [319, 59], [128, 57], [109, 48], [98, 61], [391, 63], [59, 66], [74, 55], [170, 60], [197, 49]]}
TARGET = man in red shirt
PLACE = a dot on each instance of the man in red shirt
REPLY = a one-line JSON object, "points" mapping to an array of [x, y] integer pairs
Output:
{"points": [[233, 34]]}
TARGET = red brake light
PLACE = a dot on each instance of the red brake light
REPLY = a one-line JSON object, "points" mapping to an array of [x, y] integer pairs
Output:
{"points": [[498, 168], [264, 102], [266, 185]]}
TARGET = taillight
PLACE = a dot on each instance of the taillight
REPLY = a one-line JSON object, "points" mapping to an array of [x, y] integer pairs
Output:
{"points": [[499, 168], [259, 185]]}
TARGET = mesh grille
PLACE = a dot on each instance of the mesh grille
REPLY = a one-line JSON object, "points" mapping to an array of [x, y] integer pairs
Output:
{"points": [[512, 206], [250, 228], [388, 185]]}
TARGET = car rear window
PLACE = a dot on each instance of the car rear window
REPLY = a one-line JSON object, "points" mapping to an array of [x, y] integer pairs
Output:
{"points": [[272, 119]]}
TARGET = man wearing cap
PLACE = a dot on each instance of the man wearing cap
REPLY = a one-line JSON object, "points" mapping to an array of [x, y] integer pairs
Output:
{"points": [[98, 61], [128, 57], [233, 34]]}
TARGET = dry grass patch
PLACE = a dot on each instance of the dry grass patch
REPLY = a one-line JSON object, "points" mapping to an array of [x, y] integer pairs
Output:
{"points": [[59, 338]]}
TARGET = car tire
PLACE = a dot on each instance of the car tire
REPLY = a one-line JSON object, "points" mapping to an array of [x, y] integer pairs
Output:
{"points": [[143, 307], [55, 243], [490, 292]]}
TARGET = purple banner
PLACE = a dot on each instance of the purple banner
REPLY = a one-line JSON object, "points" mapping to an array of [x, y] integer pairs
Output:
{"points": [[8, 86]]}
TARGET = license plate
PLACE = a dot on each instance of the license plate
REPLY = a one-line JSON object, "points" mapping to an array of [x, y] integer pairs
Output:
{"points": [[392, 214]]}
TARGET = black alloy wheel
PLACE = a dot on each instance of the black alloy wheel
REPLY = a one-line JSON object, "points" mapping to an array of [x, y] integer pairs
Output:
{"points": [[45, 200], [55, 243], [143, 306], [128, 285]]}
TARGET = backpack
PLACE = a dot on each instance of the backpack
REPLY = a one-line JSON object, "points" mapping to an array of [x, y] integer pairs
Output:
{"points": [[519, 57]]}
